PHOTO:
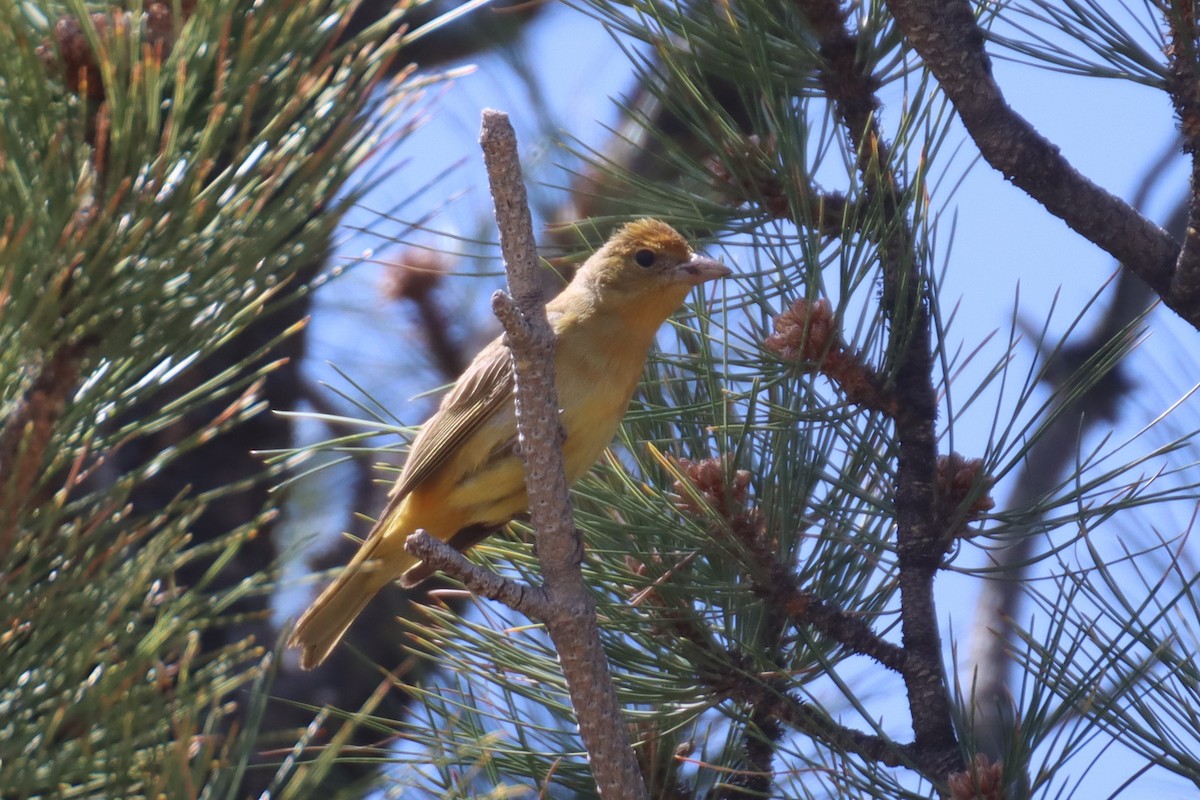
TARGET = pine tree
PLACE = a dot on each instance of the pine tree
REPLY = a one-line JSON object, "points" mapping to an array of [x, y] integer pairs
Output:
{"points": [[172, 176], [764, 543]]}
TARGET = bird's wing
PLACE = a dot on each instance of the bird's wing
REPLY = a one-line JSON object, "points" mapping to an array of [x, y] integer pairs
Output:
{"points": [[480, 393], [486, 387]]}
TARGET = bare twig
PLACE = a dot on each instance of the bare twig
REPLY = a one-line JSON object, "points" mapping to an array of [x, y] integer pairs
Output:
{"points": [[529, 600], [570, 617]]}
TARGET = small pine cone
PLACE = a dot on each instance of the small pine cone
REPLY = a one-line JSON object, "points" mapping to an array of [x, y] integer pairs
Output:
{"points": [[805, 332], [982, 781], [708, 475], [415, 274], [957, 477]]}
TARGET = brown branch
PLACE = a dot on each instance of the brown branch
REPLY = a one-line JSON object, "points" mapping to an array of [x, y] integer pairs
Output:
{"points": [[848, 630], [769, 577], [1182, 87], [919, 538], [845, 80], [760, 738], [571, 614], [761, 735], [724, 672], [726, 675], [517, 595], [27, 431], [745, 173], [949, 40], [804, 718]]}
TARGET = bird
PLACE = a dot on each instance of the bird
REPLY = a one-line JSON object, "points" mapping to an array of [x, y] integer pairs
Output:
{"points": [[464, 479]]}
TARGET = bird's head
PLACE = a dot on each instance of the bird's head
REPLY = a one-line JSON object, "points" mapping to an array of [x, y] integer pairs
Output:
{"points": [[649, 260]]}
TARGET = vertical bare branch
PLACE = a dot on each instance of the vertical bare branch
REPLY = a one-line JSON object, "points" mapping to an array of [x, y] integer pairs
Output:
{"points": [[571, 616]]}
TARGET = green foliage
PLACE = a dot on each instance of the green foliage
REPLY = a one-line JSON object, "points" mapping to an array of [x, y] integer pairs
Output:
{"points": [[149, 217], [105, 692], [1085, 37]]}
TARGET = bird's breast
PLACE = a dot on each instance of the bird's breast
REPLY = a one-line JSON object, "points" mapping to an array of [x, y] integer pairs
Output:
{"points": [[597, 375], [597, 367]]}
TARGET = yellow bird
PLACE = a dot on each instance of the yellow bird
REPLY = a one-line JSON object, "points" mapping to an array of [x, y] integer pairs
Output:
{"points": [[463, 479]]}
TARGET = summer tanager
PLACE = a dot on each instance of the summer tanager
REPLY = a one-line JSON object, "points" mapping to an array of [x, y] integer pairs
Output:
{"points": [[463, 479]]}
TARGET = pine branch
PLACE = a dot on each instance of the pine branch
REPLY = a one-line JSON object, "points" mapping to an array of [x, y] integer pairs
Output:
{"points": [[807, 333], [803, 717], [174, 188], [725, 671], [770, 578], [845, 628], [725, 674], [920, 540], [759, 740]]}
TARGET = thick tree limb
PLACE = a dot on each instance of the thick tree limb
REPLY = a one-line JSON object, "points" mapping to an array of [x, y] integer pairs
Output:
{"points": [[949, 40]]}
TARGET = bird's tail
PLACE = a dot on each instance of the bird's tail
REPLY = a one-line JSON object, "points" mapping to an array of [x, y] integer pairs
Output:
{"points": [[325, 622]]}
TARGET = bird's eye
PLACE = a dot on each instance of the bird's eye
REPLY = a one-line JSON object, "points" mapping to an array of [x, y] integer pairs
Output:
{"points": [[644, 257]]}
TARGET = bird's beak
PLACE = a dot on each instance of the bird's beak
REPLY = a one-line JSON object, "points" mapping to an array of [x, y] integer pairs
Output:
{"points": [[698, 269]]}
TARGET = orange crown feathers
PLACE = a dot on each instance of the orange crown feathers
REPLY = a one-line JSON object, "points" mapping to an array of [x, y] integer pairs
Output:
{"points": [[652, 233]]}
